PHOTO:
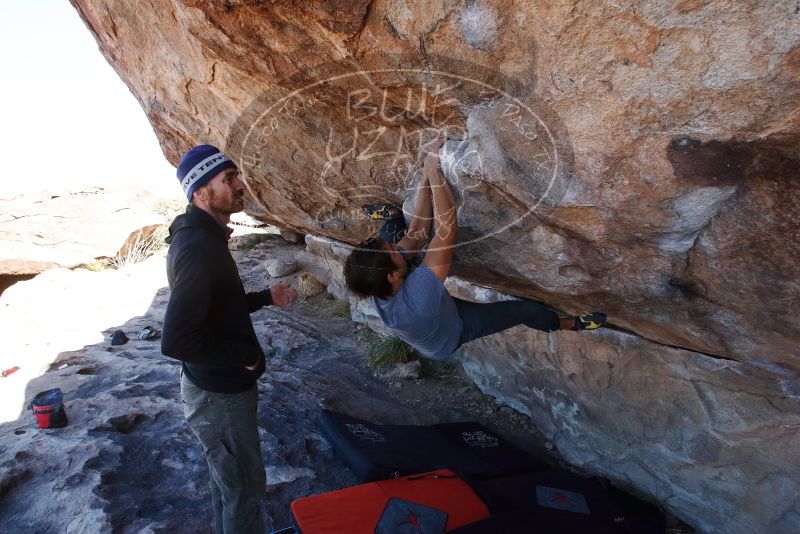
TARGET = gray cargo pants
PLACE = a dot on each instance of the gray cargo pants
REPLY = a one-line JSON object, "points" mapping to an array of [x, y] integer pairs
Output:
{"points": [[226, 425]]}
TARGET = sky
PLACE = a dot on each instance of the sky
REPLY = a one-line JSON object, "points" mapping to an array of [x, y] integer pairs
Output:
{"points": [[68, 120]]}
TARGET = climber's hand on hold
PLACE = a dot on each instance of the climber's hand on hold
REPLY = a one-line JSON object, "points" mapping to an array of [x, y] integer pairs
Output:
{"points": [[431, 148], [438, 257]]}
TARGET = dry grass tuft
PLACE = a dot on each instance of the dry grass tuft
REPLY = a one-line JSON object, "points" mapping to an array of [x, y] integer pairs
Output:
{"points": [[140, 245], [308, 286]]}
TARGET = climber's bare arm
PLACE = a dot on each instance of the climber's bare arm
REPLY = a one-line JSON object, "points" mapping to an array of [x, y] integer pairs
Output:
{"points": [[419, 231], [440, 252]]}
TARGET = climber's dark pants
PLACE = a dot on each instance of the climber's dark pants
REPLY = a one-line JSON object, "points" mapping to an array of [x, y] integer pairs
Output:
{"points": [[226, 425], [481, 320]]}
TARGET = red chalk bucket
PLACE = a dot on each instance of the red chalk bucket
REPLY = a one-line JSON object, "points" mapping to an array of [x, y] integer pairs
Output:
{"points": [[49, 409]]}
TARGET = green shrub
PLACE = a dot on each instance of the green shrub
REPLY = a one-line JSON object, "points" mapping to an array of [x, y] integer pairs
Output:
{"points": [[251, 240], [389, 350]]}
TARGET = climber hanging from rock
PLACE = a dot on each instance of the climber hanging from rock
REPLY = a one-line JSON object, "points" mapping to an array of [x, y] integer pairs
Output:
{"points": [[414, 302]]}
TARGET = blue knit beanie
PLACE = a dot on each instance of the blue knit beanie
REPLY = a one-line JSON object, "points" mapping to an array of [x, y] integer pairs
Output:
{"points": [[199, 165]]}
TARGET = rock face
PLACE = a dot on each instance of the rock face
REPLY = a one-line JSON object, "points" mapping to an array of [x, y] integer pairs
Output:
{"points": [[714, 440], [277, 268], [639, 158]]}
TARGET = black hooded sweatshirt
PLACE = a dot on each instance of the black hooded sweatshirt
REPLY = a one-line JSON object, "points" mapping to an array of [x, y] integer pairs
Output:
{"points": [[207, 324]]}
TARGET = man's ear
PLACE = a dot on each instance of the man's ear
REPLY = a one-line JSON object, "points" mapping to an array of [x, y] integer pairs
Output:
{"points": [[393, 277]]}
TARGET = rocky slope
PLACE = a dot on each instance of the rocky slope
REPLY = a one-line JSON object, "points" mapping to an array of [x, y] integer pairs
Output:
{"points": [[70, 225], [127, 462], [636, 157]]}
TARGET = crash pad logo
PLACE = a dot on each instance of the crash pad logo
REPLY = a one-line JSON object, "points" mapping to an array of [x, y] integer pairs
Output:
{"points": [[480, 439], [405, 517], [363, 432], [330, 141], [562, 500]]}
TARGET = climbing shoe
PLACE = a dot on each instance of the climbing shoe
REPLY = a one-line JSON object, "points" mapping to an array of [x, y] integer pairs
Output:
{"points": [[149, 333], [381, 212], [592, 321]]}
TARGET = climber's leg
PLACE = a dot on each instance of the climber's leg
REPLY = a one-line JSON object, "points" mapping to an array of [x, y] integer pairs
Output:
{"points": [[482, 320]]}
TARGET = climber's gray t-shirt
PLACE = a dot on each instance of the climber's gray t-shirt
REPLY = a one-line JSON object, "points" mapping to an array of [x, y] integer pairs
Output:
{"points": [[423, 314]]}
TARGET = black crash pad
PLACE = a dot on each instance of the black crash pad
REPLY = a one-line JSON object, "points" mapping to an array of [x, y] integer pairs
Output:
{"points": [[552, 501], [377, 452]]}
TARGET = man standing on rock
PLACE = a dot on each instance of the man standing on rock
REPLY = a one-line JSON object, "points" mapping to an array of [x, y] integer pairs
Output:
{"points": [[207, 326], [415, 304]]}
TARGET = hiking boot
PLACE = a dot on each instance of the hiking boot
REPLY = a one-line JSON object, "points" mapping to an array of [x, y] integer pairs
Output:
{"points": [[592, 321], [381, 212]]}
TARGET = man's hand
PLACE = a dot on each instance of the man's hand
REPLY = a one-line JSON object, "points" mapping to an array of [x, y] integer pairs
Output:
{"points": [[283, 295]]}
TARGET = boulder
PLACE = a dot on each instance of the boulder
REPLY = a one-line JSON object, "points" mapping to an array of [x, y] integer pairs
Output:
{"points": [[638, 158], [290, 236], [279, 267]]}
